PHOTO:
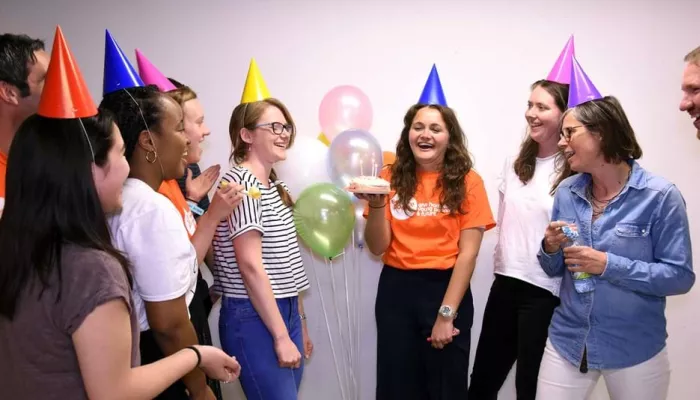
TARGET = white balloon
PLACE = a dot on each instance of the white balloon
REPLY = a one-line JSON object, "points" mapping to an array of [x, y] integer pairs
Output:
{"points": [[305, 165]]}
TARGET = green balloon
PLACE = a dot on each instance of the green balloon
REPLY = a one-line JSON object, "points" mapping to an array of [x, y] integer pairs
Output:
{"points": [[324, 218]]}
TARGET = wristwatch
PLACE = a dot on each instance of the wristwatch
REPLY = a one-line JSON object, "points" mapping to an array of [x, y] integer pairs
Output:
{"points": [[447, 311]]}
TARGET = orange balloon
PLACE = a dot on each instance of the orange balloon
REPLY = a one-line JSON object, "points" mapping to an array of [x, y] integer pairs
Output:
{"points": [[388, 157], [65, 94]]}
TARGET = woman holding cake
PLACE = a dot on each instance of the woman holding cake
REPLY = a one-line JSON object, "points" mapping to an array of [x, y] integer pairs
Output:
{"points": [[429, 229], [523, 297]]}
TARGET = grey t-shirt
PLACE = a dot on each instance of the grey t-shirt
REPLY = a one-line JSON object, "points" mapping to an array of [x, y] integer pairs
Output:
{"points": [[37, 357]]}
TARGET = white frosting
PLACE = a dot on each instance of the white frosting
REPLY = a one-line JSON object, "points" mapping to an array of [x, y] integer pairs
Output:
{"points": [[370, 181]]}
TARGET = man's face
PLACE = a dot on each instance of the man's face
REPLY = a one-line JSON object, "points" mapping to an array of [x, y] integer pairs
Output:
{"points": [[37, 75], [690, 102]]}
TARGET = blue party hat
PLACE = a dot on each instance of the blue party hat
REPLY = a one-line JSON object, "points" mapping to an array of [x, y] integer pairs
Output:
{"points": [[119, 73], [432, 93]]}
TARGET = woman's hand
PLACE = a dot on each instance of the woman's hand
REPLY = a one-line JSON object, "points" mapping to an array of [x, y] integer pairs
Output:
{"points": [[374, 200], [287, 353], [308, 345], [554, 237], [218, 365], [585, 259], [225, 200], [443, 332], [198, 187]]}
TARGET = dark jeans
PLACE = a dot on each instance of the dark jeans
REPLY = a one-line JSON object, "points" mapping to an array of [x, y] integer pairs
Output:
{"points": [[199, 315], [245, 336], [515, 326], [408, 368]]}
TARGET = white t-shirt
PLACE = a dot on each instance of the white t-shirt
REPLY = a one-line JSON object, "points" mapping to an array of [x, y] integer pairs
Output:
{"points": [[149, 230], [523, 214], [269, 216]]}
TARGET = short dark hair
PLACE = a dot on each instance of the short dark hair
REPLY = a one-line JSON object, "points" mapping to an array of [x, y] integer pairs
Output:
{"points": [[52, 201], [16, 56], [121, 104]]}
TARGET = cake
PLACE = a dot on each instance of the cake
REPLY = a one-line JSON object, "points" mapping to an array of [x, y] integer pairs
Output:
{"points": [[369, 184]]}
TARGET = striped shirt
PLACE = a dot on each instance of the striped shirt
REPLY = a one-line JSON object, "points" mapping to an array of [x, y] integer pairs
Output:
{"points": [[280, 250]]}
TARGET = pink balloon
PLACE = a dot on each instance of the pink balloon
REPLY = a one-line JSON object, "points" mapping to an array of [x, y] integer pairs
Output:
{"points": [[344, 107]]}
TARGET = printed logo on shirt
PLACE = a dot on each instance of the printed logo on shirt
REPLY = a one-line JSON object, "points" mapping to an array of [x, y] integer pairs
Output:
{"points": [[427, 209]]}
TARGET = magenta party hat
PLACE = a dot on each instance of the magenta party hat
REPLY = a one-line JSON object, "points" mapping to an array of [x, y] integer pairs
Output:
{"points": [[151, 75], [119, 73], [581, 88], [561, 71], [432, 92]]}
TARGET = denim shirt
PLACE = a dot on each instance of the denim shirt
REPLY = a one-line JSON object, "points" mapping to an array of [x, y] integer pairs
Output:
{"points": [[646, 237]]}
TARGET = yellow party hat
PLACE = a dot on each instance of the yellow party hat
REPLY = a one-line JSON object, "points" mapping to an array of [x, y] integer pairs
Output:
{"points": [[255, 88]]}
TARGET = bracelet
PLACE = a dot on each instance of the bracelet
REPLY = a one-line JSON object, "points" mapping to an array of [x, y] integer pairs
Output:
{"points": [[375, 207], [303, 317], [199, 356]]}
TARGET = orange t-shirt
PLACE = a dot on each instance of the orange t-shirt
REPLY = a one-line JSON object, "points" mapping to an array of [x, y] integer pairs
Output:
{"points": [[3, 171], [428, 238], [171, 190]]}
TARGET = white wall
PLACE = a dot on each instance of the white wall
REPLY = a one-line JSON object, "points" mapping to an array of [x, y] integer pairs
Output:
{"points": [[487, 53]]}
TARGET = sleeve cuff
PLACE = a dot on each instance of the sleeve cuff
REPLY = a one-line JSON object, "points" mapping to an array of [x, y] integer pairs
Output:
{"points": [[614, 267]]}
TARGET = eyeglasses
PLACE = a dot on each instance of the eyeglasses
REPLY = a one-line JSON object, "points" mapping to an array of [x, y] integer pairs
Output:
{"points": [[567, 132], [278, 127]]}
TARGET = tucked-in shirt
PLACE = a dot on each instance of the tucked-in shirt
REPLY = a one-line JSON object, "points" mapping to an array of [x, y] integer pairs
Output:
{"points": [[645, 235], [267, 216], [150, 232], [523, 214], [427, 236], [37, 356]]}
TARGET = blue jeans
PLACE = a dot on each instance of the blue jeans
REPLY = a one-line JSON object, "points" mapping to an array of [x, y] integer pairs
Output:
{"points": [[244, 335]]}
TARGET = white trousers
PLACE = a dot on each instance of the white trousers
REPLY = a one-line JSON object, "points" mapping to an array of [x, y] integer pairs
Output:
{"points": [[561, 380]]}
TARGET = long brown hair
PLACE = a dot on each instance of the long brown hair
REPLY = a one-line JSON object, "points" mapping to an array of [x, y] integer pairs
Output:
{"points": [[524, 165], [455, 167], [246, 115]]}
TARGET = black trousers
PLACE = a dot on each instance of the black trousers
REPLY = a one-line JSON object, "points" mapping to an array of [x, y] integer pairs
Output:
{"points": [[516, 321], [408, 368], [199, 315]]}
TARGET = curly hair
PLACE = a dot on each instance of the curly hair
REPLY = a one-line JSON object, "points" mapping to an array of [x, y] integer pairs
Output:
{"points": [[128, 117], [455, 166]]}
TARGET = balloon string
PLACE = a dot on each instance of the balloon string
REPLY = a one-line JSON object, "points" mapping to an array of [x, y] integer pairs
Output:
{"points": [[351, 340], [328, 328], [340, 326], [358, 317]]}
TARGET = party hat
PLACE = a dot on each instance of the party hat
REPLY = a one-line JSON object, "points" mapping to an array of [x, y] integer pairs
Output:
{"points": [[119, 73], [65, 94], [151, 75], [561, 71], [432, 92], [255, 88], [581, 88]]}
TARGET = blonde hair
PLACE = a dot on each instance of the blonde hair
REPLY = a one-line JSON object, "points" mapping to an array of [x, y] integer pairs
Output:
{"points": [[182, 94], [247, 116], [693, 56]]}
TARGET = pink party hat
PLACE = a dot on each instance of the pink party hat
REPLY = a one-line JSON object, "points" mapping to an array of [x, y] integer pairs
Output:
{"points": [[561, 71], [151, 75], [581, 89]]}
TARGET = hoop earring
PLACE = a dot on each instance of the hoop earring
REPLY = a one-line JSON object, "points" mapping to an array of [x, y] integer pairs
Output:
{"points": [[148, 159]]}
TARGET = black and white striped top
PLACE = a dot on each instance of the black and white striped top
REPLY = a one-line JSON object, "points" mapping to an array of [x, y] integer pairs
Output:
{"points": [[280, 249]]}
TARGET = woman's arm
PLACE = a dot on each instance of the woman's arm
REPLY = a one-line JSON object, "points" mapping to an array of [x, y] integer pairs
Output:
{"points": [[469, 244], [224, 201], [377, 229], [173, 331], [103, 348], [248, 249]]}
